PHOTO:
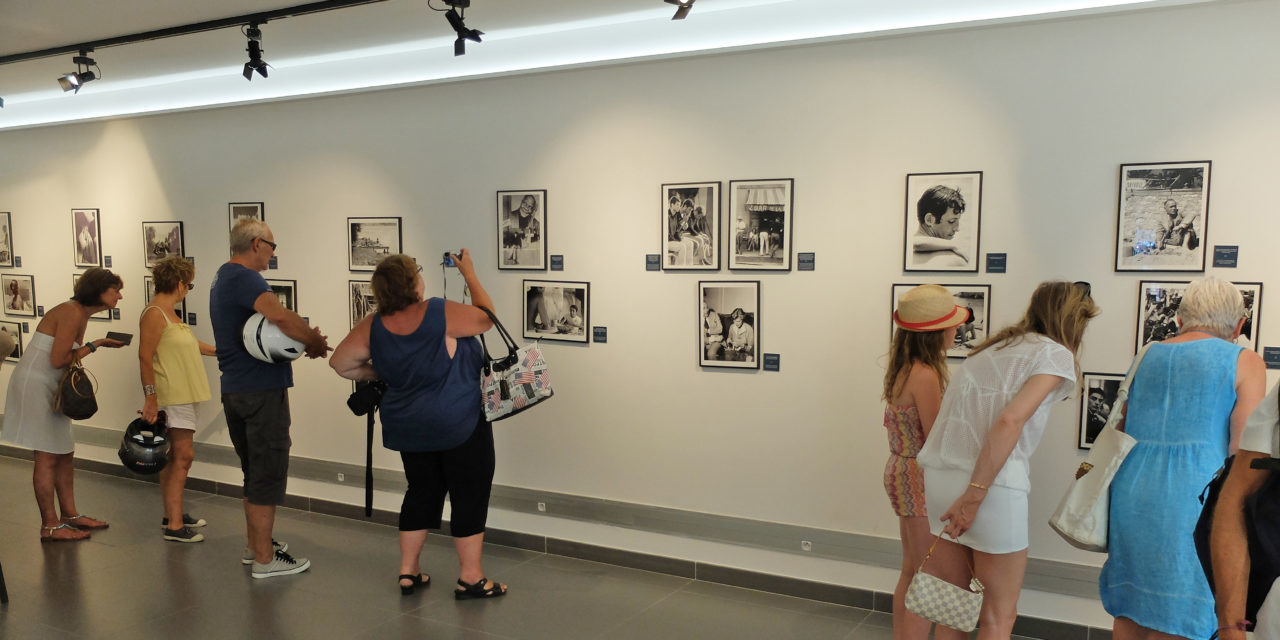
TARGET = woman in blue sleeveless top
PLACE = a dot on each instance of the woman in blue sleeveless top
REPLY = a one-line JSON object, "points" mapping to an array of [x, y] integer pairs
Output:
{"points": [[426, 353], [1188, 403]]}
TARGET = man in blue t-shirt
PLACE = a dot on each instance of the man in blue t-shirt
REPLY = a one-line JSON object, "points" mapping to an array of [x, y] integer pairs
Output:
{"points": [[255, 394]]}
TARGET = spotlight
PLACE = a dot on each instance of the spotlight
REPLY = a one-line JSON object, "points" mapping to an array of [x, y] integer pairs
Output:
{"points": [[255, 63], [685, 6], [76, 79], [464, 34]]}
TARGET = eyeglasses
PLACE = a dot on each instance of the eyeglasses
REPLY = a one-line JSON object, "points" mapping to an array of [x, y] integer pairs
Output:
{"points": [[1088, 288], [269, 243], [190, 286]]}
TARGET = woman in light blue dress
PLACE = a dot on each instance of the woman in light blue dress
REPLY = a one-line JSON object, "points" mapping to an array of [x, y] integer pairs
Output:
{"points": [[1188, 404]]}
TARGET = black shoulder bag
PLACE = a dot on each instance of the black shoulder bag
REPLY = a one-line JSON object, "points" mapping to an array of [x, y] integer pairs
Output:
{"points": [[364, 401]]}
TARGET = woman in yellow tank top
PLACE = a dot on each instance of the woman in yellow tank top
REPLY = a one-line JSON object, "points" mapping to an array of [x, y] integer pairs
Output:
{"points": [[173, 381]]}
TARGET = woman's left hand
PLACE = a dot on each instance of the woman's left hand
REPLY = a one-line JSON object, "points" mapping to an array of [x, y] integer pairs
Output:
{"points": [[959, 517]]}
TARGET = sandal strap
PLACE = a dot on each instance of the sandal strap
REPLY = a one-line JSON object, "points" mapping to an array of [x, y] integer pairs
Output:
{"points": [[55, 528], [478, 587]]}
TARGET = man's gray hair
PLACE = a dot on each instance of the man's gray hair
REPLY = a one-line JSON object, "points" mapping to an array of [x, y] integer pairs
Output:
{"points": [[1214, 304], [244, 232]]}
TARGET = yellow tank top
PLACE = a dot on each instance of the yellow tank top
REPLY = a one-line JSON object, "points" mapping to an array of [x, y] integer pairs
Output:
{"points": [[180, 376]]}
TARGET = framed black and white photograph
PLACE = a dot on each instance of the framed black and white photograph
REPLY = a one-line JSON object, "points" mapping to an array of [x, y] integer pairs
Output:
{"points": [[6, 239], [522, 229], [86, 237], [14, 329], [286, 292], [1252, 294], [557, 310], [149, 292], [729, 324], [360, 294], [1158, 303], [975, 299], [370, 240], [1163, 216], [759, 224], [19, 294], [1100, 393], [161, 240], [690, 226], [105, 314], [237, 211], [942, 222]]}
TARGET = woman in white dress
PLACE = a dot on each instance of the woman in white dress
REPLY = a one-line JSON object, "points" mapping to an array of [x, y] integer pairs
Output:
{"points": [[976, 459], [31, 421]]}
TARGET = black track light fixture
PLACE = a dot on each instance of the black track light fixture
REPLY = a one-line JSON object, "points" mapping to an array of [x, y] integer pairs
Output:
{"points": [[455, 17], [76, 79], [255, 63], [683, 10]]}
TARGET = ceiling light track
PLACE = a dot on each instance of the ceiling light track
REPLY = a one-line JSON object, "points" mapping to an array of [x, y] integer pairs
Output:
{"points": [[197, 27]]}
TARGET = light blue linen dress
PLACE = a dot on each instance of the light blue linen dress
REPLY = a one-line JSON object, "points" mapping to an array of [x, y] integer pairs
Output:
{"points": [[1180, 407]]}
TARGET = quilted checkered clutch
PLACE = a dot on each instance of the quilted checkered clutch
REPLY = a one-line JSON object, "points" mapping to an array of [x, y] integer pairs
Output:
{"points": [[939, 601], [515, 382]]}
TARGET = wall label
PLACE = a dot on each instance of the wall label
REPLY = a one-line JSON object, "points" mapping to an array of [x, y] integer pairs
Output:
{"points": [[652, 262], [557, 263], [1271, 356], [1226, 255], [273, 264], [191, 318], [997, 262], [805, 261], [599, 334], [106, 261], [115, 314], [772, 362], [17, 261]]}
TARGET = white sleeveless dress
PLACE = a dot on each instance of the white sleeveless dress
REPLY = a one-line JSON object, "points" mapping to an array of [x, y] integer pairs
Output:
{"points": [[30, 420]]}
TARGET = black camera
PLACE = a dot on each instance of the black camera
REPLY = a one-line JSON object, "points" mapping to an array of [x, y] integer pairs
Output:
{"points": [[448, 259], [367, 397]]}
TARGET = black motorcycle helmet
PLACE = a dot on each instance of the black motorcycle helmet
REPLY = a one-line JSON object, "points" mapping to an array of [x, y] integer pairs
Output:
{"points": [[145, 447]]}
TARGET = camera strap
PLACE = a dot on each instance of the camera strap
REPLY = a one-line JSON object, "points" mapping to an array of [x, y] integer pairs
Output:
{"points": [[368, 468]]}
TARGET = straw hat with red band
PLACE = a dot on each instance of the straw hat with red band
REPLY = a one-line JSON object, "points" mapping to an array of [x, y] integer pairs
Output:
{"points": [[929, 307]]}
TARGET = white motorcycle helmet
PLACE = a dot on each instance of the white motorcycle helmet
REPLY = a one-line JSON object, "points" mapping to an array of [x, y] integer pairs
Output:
{"points": [[266, 342]]}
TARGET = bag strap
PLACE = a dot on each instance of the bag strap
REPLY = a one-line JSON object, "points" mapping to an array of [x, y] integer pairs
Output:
{"points": [[368, 467], [510, 342], [1122, 396], [930, 555]]}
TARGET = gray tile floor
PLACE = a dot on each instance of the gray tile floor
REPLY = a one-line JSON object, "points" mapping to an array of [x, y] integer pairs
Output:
{"points": [[128, 583]]}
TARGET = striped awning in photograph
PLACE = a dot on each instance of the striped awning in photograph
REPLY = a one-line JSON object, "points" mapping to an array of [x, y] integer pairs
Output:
{"points": [[766, 198]]}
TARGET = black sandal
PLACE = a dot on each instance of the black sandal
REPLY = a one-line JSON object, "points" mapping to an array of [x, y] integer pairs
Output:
{"points": [[416, 581], [477, 590]]}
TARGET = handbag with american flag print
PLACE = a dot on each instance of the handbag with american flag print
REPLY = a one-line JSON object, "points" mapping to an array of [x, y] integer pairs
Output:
{"points": [[515, 382]]}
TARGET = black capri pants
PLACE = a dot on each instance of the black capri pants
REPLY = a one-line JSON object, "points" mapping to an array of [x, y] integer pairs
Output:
{"points": [[465, 472]]}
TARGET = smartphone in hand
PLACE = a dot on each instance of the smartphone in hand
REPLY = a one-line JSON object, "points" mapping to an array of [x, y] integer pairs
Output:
{"points": [[124, 338]]}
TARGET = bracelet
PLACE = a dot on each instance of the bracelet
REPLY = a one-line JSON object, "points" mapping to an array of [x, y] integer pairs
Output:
{"points": [[1242, 625], [92, 347], [975, 485], [148, 389]]}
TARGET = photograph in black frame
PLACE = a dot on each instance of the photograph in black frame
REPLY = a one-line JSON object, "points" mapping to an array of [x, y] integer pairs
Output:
{"points": [[149, 292], [522, 229], [161, 240], [286, 292], [237, 211], [759, 224], [1100, 393], [14, 329], [942, 222], [370, 240], [690, 226], [19, 294], [1162, 216], [556, 310], [1158, 302], [6, 239], [975, 299], [360, 298], [86, 238], [729, 324], [105, 314]]}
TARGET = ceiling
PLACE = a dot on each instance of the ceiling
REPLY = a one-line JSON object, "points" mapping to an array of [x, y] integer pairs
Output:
{"points": [[404, 42]]}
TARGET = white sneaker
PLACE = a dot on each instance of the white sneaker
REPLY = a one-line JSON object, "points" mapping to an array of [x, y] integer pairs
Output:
{"points": [[247, 556], [281, 565]]}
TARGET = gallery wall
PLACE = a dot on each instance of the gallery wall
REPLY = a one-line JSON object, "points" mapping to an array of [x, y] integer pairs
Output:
{"points": [[1048, 111]]}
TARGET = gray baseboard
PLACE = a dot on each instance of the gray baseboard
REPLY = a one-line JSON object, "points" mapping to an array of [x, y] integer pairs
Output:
{"points": [[1042, 575]]}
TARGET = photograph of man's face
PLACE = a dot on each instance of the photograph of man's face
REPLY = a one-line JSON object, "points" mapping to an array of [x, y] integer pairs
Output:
{"points": [[945, 226]]}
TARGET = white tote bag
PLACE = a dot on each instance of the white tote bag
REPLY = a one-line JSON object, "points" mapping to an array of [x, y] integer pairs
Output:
{"points": [[1081, 517]]}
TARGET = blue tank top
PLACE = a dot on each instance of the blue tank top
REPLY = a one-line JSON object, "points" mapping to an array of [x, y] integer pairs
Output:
{"points": [[432, 401]]}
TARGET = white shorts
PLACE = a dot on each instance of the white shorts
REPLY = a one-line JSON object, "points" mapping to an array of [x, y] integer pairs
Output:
{"points": [[1001, 523], [180, 416]]}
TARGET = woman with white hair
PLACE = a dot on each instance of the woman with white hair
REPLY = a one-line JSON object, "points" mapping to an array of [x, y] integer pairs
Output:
{"points": [[1188, 404]]}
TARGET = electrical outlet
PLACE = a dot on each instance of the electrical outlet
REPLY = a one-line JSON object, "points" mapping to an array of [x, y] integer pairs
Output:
{"points": [[542, 507], [342, 477], [805, 545]]}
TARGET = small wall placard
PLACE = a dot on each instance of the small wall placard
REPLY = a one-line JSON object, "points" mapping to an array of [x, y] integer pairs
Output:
{"points": [[115, 314], [17, 261], [106, 261], [652, 262], [997, 262], [557, 263], [599, 334], [1270, 355], [805, 261], [191, 318], [273, 264], [1226, 255], [772, 362], [40, 310]]}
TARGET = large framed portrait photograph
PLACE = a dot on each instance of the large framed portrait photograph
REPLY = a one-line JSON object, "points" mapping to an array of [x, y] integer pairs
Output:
{"points": [[371, 240], [19, 294], [86, 237], [729, 324], [1100, 393], [149, 292], [1158, 303], [105, 314], [286, 292], [14, 329], [1163, 216], [522, 229], [237, 211], [161, 240], [555, 310], [943, 222], [360, 293], [690, 226], [975, 299], [6, 239], [760, 224]]}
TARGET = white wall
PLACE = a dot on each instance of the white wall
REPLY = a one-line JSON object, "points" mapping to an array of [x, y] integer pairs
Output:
{"points": [[1048, 111]]}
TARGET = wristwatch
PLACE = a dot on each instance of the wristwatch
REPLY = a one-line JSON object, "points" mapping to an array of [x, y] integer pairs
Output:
{"points": [[148, 389]]}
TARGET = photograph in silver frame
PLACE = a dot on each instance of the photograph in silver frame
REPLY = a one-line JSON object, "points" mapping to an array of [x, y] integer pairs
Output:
{"points": [[943, 222], [1162, 217], [975, 299], [86, 237], [557, 310], [729, 324], [759, 224], [522, 229], [690, 226], [1100, 393]]}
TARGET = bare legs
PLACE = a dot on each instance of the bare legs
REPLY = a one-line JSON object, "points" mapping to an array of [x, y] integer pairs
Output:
{"points": [[470, 550], [914, 531], [259, 519], [173, 477], [1001, 576], [54, 480], [410, 550], [1127, 629]]}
